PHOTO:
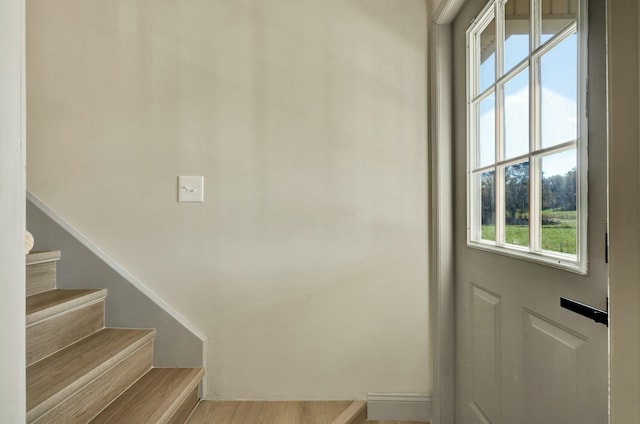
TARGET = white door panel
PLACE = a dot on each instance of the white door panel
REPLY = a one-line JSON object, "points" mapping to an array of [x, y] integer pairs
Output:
{"points": [[521, 358], [485, 332]]}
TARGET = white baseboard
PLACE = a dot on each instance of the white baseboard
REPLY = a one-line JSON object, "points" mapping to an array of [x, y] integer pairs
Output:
{"points": [[399, 407]]}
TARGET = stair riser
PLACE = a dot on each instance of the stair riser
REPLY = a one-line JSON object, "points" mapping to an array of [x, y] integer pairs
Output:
{"points": [[87, 402], [56, 333], [187, 407], [41, 277]]}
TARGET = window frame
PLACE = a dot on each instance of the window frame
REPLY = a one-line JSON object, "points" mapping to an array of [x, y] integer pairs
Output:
{"points": [[533, 252]]}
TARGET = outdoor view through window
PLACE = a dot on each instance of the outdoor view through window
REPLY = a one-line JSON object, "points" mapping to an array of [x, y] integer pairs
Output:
{"points": [[525, 138]]}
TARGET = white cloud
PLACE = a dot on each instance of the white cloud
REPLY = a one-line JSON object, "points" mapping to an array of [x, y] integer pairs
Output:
{"points": [[559, 123]]}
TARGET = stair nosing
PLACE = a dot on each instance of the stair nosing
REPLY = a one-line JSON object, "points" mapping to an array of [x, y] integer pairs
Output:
{"points": [[146, 335], [42, 257], [88, 298]]}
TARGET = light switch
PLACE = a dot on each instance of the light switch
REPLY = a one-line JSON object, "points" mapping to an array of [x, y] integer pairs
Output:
{"points": [[190, 188]]}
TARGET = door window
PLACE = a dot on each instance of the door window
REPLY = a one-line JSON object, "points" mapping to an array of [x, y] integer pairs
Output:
{"points": [[527, 136]]}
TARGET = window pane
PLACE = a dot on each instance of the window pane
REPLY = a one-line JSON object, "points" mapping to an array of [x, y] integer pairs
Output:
{"points": [[488, 56], [559, 219], [488, 206], [516, 204], [516, 32], [559, 93], [516, 115], [487, 128], [556, 16]]}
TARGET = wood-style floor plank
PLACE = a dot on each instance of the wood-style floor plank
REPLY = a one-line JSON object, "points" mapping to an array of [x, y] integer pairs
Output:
{"points": [[267, 412], [278, 411], [249, 411], [397, 422], [215, 412], [273, 412]]}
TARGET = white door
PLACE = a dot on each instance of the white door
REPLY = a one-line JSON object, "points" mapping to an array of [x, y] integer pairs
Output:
{"points": [[521, 358]]}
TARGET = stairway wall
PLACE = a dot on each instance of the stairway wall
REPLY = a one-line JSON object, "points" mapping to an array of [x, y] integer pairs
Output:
{"points": [[306, 265], [126, 306]]}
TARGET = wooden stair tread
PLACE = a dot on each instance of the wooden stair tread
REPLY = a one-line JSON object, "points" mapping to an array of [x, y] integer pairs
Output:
{"points": [[152, 399], [56, 377], [53, 302], [40, 257]]}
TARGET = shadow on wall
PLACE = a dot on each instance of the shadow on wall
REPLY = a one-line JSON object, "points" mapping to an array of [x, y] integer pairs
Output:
{"points": [[126, 306]]}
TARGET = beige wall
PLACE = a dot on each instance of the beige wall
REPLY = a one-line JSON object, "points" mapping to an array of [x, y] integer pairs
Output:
{"points": [[12, 215], [307, 264]]}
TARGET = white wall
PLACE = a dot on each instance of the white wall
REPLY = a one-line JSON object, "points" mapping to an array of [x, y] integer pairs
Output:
{"points": [[12, 215], [307, 264]]}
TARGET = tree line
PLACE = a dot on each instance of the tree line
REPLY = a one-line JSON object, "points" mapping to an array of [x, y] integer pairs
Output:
{"points": [[558, 193]]}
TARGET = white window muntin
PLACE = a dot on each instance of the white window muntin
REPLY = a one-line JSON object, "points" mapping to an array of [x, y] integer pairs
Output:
{"points": [[534, 252]]}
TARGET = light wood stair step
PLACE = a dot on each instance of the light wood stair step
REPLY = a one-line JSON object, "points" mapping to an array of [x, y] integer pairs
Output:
{"points": [[41, 271], [41, 257], [76, 383], [58, 318], [161, 396], [55, 302]]}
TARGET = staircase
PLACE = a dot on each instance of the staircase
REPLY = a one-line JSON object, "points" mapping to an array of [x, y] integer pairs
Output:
{"points": [[78, 371]]}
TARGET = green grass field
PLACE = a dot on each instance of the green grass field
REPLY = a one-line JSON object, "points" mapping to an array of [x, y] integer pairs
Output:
{"points": [[558, 235]]}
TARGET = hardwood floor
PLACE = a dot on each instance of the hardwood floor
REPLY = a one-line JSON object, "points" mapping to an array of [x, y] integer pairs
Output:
{"points": [[397, 422], [271, 412], [267, 412]]}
